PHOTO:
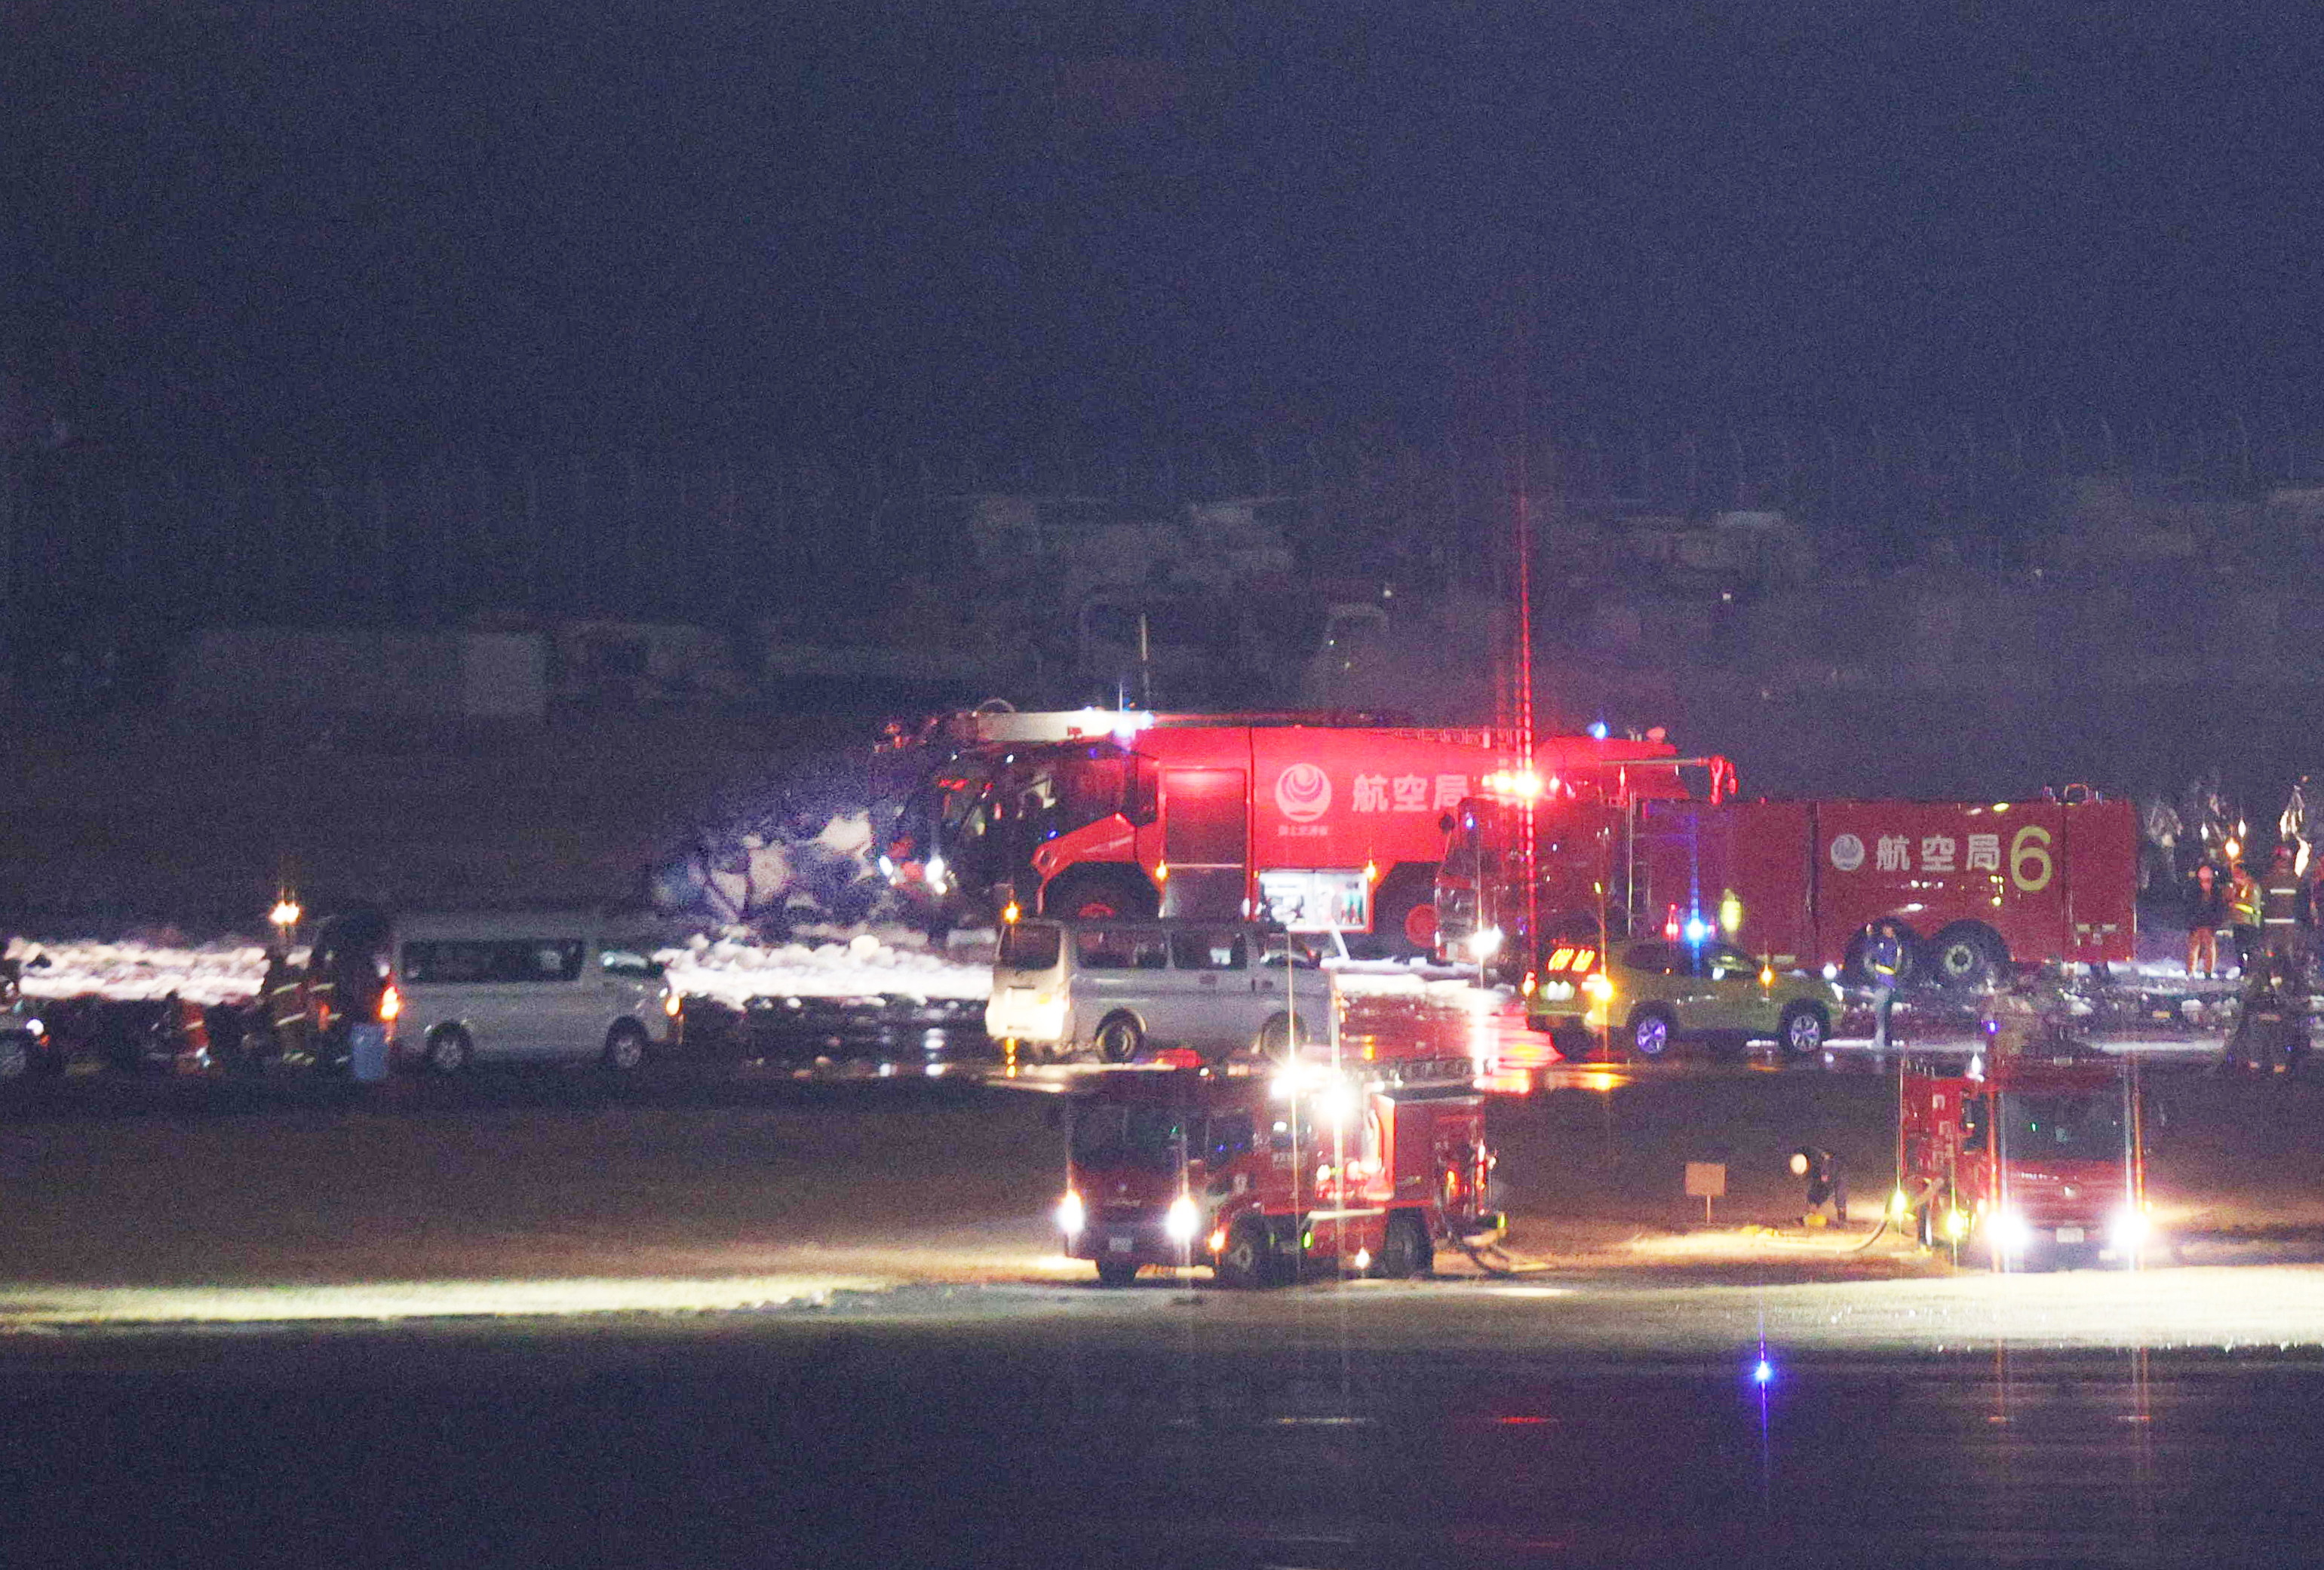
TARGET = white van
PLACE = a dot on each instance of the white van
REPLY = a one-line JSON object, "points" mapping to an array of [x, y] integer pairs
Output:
{"points": [[1116, 987], [523, 988]]}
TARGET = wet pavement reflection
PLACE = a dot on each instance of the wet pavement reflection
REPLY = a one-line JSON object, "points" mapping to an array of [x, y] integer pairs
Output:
{"points": [[852, 1444]]}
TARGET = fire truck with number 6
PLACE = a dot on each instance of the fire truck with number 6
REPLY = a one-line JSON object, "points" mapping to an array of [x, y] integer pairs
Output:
{"points": [[1972, 886]]}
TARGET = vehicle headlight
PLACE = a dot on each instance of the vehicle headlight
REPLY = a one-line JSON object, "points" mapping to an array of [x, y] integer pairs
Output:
{"points": [[2126, 1227], [1070, 1217], [2009, 1231], [1181, 1222], [1597, 986], [1336, 1105]]}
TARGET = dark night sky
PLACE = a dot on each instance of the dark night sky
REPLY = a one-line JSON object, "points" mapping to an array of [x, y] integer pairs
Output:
{"points": [[318, 225]]}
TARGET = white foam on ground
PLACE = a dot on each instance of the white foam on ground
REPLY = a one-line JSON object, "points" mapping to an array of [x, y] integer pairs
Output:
{"points": [[873, 963], [892, 964], [131, 972], [885, 963]]}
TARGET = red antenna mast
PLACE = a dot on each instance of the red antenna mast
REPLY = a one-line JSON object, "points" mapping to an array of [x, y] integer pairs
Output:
{"points": [[1521, 583]]}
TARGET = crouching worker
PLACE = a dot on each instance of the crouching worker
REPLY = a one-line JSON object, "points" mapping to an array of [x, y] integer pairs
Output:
{"points": [[1827, 1186]]}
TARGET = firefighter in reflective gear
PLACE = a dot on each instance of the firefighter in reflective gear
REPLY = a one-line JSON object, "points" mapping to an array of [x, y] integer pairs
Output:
{"points": [[1884, 957], [2279, 918], [2244, 912], [2311, 912], [281, 1008], [181, 1034]]}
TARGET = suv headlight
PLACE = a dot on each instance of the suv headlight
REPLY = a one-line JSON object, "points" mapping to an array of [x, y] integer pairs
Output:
{"points": [[2126, 1227], [1070, 1215], [1182, 1221]]}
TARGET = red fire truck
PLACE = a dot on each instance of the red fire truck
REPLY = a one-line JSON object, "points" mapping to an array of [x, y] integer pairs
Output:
{"points": [[1970, 884], [2027, 1160], [1320, 823], [1263, 1172]]}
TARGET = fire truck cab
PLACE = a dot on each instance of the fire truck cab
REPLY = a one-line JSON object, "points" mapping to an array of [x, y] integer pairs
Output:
{"points": [[1321, 822], [1266, 1172], [2030, 1162]]}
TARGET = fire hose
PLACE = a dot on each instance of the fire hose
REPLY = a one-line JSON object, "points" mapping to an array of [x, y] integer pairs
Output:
{"points": [[1889, 1213], [1489, 1256]]}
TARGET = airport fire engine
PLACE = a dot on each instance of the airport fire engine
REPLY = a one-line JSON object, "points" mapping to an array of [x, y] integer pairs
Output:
{"points": [[1265, 1171], [1320, 823], [2028, 1158], [1971, 885]]}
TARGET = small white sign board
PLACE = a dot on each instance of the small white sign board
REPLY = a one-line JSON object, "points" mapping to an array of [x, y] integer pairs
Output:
{"points": [[1708, 1180]]}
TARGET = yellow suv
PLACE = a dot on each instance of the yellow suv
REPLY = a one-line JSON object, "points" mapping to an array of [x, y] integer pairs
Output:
{"points": [[1648, 994]]}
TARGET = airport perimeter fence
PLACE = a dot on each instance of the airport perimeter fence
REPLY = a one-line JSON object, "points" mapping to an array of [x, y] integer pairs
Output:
{"points": [[96, 538]]}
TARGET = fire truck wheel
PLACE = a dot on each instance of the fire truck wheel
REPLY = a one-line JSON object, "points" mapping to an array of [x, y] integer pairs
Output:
{"points": [[1246, 1261], [1650, 1033], [1118, 1039], [1805, 1029], [449, 1051], [1116, 1272], [1406, 1252], [1095, 893], [1965, 954], [1403, 914]]}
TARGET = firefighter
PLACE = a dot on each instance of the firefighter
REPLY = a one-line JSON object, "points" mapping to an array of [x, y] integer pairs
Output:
{"points": [[182, 1035], [2279, 898], [276, 1007], [1884, 957], [2271, 1030], [1827, 1193], [2242, 913], [2207, 913], [2311, 912]]}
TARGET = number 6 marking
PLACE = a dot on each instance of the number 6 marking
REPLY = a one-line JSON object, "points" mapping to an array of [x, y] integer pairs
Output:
{"points": [[2030, 866]]}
